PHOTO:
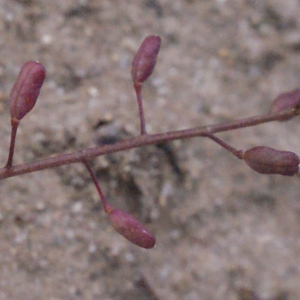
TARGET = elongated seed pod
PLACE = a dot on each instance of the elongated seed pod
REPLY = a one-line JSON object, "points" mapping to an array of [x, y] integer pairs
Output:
{"points": [[131, 229], [26, 89], [145, 58], [285, 101], [265, 160]]}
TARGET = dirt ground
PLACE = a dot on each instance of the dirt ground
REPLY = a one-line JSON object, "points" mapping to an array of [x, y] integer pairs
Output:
{"points": [[223, 231]]}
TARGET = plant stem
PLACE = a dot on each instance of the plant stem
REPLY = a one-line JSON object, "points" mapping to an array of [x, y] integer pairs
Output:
{"points": [[237, 153], [142, 140], [14, 127], [107, 207], [138, 91]]}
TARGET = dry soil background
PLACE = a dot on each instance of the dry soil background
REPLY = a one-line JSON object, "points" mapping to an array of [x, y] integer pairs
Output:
{"points": [[223, 232]]}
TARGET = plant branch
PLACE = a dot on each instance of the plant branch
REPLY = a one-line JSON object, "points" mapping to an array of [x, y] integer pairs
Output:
{"points": [[14, 127], [138, 90], [107, 207], [139, 141], [235, 152]]}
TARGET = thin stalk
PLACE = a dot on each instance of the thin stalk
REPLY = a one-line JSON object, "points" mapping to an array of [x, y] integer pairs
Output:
{"points": [[138, 91], [14, 127], [107, 207], [235, 152]]}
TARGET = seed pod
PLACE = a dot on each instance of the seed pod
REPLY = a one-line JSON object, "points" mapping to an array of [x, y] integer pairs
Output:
{"points": [[131, 229], [26, 89], [265, 160], [286, 101], [145, 59]]}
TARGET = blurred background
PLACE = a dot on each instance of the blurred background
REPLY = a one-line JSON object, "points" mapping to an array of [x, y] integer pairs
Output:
{"points": [[223, 231]]}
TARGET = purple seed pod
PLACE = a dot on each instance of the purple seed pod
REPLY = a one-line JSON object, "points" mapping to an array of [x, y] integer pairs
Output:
{"points": [[145, 59], [285, 102], [26, 89], [131, 229], [265, 160]]}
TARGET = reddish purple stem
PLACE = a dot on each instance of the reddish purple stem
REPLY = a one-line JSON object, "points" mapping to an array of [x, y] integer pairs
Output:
{"points": [[14, 127], [142, 140], [138, 90], [237, 153], [107, 207]]}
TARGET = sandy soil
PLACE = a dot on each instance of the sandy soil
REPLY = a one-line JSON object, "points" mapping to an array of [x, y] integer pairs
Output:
{"points": [[223, 231]]}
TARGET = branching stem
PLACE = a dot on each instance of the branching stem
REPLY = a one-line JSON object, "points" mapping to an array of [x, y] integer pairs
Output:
{"points": [[142, 140]]}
